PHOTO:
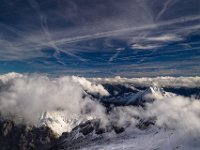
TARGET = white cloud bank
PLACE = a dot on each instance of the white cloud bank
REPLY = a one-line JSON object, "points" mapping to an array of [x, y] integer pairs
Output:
{"points": [[177, 121], [28, 96], [91, 87], [157, 81]]}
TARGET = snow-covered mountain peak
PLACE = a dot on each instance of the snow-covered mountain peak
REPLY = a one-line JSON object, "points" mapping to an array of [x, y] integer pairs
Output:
{"points": [[149, 95], [139, 98], [55, 121], [59, 122], [156, 93]]}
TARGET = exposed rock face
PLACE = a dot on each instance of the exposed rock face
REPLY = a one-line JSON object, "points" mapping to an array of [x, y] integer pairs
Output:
{"points": [[80, 136], [146, 123], [94, 126], [89, 132], [92, 131], [21, 137]]}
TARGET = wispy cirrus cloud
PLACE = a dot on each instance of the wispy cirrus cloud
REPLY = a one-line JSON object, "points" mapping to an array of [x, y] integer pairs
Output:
{"points": [[69, 33]]}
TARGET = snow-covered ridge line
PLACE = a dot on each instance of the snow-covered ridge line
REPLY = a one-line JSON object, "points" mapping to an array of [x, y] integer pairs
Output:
{"points": [[190, 82], [59, 122]]}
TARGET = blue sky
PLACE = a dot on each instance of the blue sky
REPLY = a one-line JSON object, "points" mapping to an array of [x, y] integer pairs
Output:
{"points": [[130, 38]]}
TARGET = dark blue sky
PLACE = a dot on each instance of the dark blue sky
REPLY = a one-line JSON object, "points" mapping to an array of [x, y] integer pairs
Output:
{"points": [[131, 38]]}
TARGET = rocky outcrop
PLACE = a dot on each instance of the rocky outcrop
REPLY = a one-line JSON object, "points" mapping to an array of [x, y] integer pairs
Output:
{"points": [[21, 137], [91, 130]]}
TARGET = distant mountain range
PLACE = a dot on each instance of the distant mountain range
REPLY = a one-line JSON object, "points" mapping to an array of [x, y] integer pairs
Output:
{"points": [[127, 123]]}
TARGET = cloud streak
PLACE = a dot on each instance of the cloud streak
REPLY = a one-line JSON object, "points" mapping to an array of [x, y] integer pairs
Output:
{"points": [[68, 34], [126, 30]]}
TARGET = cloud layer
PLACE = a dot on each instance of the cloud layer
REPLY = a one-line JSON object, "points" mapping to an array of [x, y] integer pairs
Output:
{"points": [[25, 98], [189, 82], [29, 96]]}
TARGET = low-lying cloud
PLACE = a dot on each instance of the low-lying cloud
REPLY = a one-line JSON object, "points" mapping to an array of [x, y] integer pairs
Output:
{"points": [[28, 96], [167, 81], [179, 116]]}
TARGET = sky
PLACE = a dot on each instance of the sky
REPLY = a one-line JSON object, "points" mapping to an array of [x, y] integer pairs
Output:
{"points": [[129, 38]]}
